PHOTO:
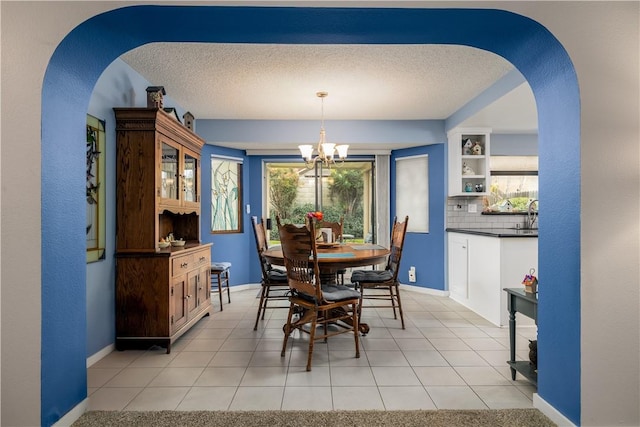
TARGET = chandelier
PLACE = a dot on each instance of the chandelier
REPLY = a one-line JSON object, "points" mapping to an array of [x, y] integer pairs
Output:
{"points": [[326, 150]]}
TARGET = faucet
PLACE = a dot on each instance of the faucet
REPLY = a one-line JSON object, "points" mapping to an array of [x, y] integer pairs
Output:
{"points": [[531, 214]]}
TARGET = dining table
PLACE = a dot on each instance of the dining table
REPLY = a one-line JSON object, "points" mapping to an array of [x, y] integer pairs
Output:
{"points": [[337, 256]]}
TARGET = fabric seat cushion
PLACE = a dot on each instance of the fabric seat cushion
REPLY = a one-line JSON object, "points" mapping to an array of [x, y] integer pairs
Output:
{"points": [[339, 293], [371, 276], [220, 266], [277, 276]]}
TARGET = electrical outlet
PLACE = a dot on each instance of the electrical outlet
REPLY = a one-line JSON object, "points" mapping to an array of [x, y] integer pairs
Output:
{"points": [[472, 208], [412, 274]]}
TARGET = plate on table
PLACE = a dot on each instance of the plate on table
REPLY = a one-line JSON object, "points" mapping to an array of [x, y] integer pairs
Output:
{"points": [[327, 245]]}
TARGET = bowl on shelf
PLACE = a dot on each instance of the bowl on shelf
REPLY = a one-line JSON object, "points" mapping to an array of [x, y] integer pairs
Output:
{"points": [[163, 245], [178, 242]]}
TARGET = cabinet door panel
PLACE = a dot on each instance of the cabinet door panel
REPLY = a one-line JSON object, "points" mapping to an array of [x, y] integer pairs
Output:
{"points": [[192, 292], [178, 302], [459, 267], [169, 170], [191, 178]]}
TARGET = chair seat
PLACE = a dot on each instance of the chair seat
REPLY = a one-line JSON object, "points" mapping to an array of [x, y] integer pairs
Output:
{"points": [[277, 276], [339, 293], [371, 276], [220, 266]]}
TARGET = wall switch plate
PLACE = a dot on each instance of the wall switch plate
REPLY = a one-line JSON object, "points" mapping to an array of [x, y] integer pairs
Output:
{"points": [[472, 208]]}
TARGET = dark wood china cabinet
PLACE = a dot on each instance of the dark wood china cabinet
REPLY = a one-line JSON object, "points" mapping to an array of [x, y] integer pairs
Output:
{"points": [[161, 292]]}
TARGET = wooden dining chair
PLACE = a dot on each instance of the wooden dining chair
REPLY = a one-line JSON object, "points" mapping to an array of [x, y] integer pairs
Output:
{"points": [[382, 285], [316, 305], [337, 231], [274, 281]]}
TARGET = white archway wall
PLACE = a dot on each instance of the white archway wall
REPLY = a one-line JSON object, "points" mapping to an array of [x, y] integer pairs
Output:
{"points": [[601, 39]]}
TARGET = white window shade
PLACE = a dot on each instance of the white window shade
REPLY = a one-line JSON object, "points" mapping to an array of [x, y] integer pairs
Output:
{"points": [[412, 192]]}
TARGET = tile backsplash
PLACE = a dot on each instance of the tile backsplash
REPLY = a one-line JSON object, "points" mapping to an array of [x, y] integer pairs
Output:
{"points": [[458, 215]]}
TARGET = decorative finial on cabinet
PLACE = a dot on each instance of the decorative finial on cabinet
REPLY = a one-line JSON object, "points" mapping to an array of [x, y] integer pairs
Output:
{"points": [[155, 96], [188, 120]]}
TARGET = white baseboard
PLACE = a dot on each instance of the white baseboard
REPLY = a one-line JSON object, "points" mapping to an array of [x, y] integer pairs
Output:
{"points": [[422, 290], [95, 357], [551, 412], [73, 415]]}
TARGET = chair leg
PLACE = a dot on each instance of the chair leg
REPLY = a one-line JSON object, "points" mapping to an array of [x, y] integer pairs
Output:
{"points": [[356, 328], [399, 303], [228, 292], [261, 308], [312, 338], [219, 274], [393, 301], [287, 330]]}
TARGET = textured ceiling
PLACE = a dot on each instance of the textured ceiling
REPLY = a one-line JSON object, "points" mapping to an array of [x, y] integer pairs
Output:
{"points": [[268, 81]]}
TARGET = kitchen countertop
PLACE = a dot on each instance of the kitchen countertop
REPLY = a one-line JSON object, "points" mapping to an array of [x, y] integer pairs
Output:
{"points": [[496, 232]]}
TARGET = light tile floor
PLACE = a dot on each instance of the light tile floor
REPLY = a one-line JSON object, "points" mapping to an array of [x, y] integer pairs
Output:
{"points": [[447, 358]]}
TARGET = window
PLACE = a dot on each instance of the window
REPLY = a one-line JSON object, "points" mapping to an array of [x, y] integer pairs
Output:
{"points": [[514, 183], [226, 195], [412, 192], [344, 191]]}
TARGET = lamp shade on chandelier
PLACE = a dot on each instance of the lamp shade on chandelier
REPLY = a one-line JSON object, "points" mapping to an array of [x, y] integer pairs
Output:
{"points": [[326, 150]]}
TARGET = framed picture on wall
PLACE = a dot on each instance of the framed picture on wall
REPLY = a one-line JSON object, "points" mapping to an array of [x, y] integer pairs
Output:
{"points": [[226, 195], [96, 198]]}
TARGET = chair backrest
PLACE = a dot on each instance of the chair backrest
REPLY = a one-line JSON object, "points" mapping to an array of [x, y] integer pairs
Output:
{"points": [[260, 233], [300, 258], [397, 243], [336, 228]]}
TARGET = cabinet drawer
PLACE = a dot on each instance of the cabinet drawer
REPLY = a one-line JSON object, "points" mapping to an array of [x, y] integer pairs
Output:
{"points": [[201, 258], [182, 264]]}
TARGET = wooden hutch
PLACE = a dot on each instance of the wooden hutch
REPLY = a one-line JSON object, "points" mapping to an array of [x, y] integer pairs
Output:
{"points": [[161, 292]]}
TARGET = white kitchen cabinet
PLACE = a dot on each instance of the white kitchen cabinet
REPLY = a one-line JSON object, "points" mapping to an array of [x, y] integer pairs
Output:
{"points": [[468, 159], [487, 265], [459, 257]]}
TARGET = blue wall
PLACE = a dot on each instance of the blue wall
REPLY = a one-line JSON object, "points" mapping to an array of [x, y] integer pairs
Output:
{"points": [[118, 86], [426, 251], [232, 247], [70, 79]]}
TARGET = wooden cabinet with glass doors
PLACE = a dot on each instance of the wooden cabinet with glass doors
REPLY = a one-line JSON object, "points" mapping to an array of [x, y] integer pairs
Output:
{"points": [[160, 291]]}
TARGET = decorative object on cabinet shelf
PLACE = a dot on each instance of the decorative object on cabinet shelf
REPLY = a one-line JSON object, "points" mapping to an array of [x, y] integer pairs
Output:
{"points": [[467, 170], [188, 120], [173, 113], [479, 188], [530, 282], [155, 96], [477, 149], [468, 187], [467, 147]]}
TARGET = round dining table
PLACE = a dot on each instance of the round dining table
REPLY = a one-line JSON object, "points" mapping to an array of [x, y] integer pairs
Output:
{"points": [[338, 256]]}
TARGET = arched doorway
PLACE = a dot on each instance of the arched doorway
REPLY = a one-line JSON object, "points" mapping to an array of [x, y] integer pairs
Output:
{"points": [[67, 88]]}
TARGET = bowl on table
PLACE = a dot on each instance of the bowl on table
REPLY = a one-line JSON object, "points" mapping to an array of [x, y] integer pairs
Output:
{"points": [[163, 245], [178, 242]]}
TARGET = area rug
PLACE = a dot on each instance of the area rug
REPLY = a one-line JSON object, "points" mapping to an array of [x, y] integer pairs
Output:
{"points": [[432, 418]]}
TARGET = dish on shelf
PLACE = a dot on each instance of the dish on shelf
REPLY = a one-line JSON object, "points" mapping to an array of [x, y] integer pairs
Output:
{"points": [[178, 242], [327, 245], [163, 245]]}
